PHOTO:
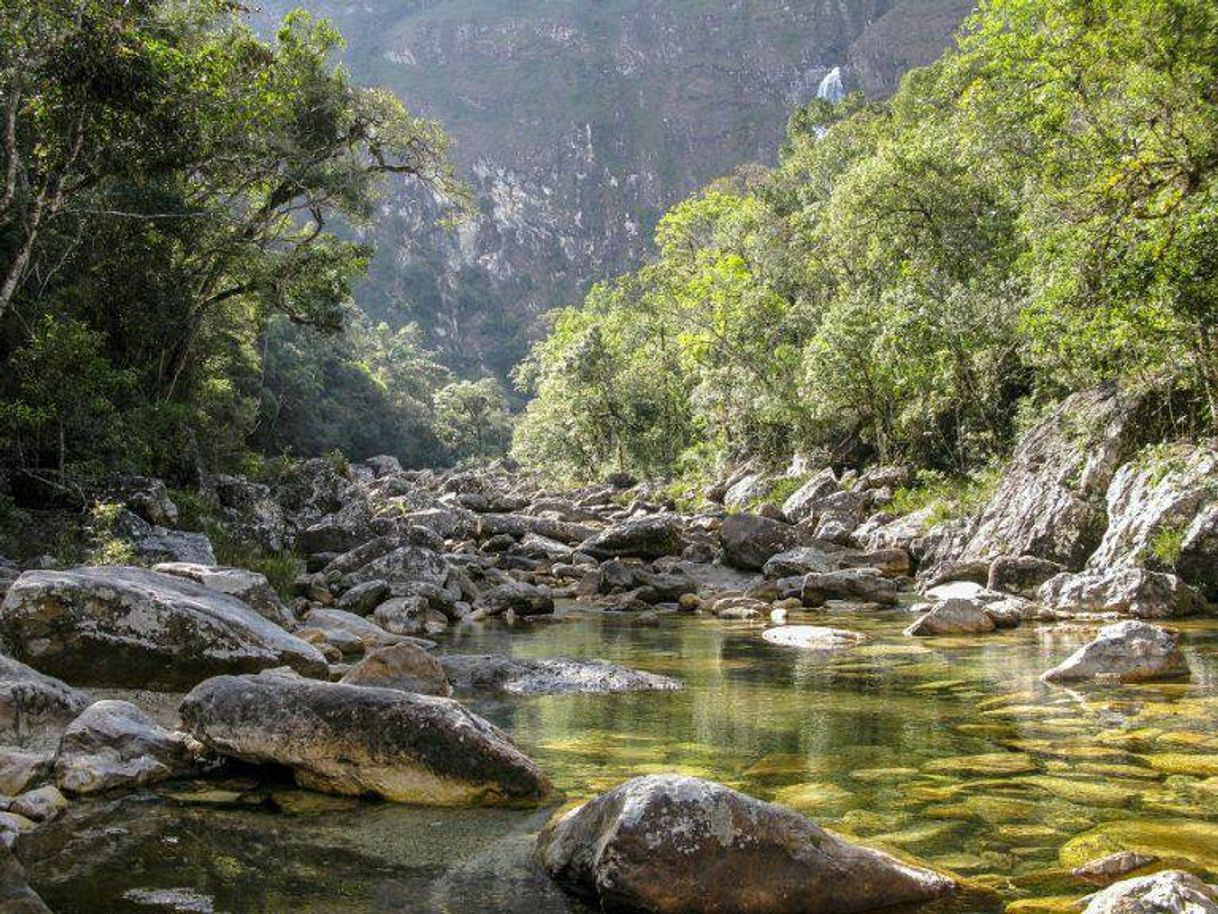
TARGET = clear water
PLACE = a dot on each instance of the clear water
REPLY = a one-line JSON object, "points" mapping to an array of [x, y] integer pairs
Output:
{"points": [[947, 750]]}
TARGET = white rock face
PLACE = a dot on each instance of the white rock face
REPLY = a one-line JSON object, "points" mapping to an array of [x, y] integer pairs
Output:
{"points": [[1127, 591], [1168, 892], [247, 586], [1129, 651]]}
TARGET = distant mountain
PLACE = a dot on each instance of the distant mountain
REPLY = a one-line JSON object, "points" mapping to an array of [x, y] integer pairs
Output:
{"points": [[577, 122]]}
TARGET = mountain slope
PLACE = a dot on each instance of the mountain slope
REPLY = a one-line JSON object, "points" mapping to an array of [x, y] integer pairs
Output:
{"points": [[578, 121]]}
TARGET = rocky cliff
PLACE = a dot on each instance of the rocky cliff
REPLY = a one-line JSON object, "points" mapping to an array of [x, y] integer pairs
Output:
{"points": [[578, 123]]}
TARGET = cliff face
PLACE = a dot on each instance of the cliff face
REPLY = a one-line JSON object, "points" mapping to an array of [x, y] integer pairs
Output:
{"points": [[577, 122]]}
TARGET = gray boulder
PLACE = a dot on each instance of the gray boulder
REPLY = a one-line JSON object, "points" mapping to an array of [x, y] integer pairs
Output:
{"points": [[750, 540], [861, 585], [801, 504], [114, 745], [669, 844], [42, 804], [118, 626], [1129, 651], [364, 598], [347, 739], [247, 586], [410, 615], [404, 566], [799, 561], [33, 704], [518, 597], [1163, 515], [470, 673], [347, 628], [1051, 500], [952, 617], [404, 666], [644, 537], [1126, 591], [1021, 575], [746, 490], [519, 525], [1166, 892]]}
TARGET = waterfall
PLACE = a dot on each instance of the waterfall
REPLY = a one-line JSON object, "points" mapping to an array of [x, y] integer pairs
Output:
{"points": [[831, 87]]}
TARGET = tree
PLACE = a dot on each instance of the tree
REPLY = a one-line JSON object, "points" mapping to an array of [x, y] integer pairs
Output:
{"points": [[472, 418]]}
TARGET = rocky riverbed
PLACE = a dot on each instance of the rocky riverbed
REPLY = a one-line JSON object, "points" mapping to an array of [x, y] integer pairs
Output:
{"points": [[998, 699]]}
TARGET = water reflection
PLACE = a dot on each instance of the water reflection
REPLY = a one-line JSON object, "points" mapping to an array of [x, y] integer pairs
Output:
{"points": [[950, 750]]}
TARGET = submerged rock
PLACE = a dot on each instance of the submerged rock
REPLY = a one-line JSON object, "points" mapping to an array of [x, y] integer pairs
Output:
{"points": [[523, 676], [401, 666], [1113, 866], [678, 845], [1166, 892], [813, 637], [16, 896], [1129, 651], [119, 626], [348, 739], [113, 745]]}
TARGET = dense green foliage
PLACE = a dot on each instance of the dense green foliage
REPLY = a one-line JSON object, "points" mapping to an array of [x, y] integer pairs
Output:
{"points": [[171, 186], [1035, 212]]}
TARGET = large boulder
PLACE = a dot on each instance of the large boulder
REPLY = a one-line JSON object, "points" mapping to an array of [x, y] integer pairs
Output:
{"points": [[349, 739], [814, 637], [247, 586], [129, 627], [801, 504], [1125, 590], [1163, 515], [799, 561], [32, 703], [1021, 575], [750, 540], [404, 666], [403, 568], [860, 585], [747, 490], [1165, 892], [114, 744], [1051, 500], [650, 537], [520, 525], [669, 844], [520, 598], [472, 673], [347, 629], [1129, 651], [952, 617]]}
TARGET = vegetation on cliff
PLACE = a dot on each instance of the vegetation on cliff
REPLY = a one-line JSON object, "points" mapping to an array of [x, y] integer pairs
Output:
{"points": [[1033, 213]]}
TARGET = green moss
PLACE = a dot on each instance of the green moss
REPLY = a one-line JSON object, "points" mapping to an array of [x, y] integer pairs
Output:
{"points": [[947, 497], [1167, 543]]}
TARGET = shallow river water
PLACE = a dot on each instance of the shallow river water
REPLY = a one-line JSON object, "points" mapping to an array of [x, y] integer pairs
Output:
{"points": [[947, 750]]}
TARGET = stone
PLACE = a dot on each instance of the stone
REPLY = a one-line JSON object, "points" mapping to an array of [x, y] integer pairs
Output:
{"points": [[345, 626], [410, 616], [1165, 892], [364, 598], [1107, 869], [16, 896], [799, 506], [542, 547], [40, 805], [952, 617], [892, 563], [404, 566], [799, 561], [645, 537], [1129, 651], [22, 769], [863, 585], [32, 703], [147, 497], [1163, 515], [749, 540], [247, 586], [747, 490], [1021, 575], [346, 739], [161, 544], [519, 525], [1050, 502], [114, 745], [402, 666], [474, 673], [813, 637], [119, 626], [522, 599], [669, 844], [1126, 591]]}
